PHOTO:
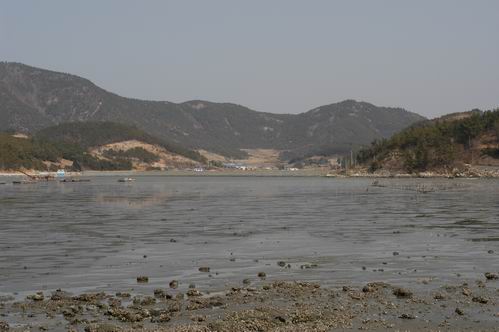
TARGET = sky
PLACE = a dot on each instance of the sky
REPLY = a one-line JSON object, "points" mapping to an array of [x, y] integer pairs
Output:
{"points": [[283, 56]]}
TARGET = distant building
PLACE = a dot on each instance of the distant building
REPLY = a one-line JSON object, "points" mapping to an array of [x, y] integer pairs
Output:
{"points": [[235, 166]]}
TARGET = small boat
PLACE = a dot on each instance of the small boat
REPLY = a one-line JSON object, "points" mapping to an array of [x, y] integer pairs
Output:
{"points": [[23, 182], [60, 173], [75, 180], [126, 180]]}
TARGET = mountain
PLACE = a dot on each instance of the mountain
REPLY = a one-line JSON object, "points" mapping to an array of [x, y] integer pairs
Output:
{"points": [[442, 145], [32, 99]]}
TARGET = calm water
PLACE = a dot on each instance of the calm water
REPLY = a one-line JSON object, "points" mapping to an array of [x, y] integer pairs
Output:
{"points": [[81, 236]]}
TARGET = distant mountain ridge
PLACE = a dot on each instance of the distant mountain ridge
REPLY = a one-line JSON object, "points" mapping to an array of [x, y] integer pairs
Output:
{"points": [[32, 99]]}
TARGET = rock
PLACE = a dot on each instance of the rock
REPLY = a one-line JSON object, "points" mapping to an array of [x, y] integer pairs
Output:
{"points": [[36, 297], [89, 297], [368, 289], [490, 251], [262, 274], [395, 253], [407, 316], [192, 286], [402, 292], [159, 293], [439, 296], [193, 292], [198, 318], [491, 276], [246, 281], [123, 294], [162, 318], [146, 300], [281, 319], [104, 327], [59, 295], [4, 326], [281, 263], [174, 284], [466, 291], [125, 315], [459, 311], [480, 299], [142, 279]]}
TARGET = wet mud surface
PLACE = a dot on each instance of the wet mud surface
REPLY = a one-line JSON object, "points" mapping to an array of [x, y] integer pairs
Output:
{"points": [[97, 237]]}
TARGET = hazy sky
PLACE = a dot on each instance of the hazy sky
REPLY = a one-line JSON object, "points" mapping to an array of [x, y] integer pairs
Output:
{"points": [[431, 57]]}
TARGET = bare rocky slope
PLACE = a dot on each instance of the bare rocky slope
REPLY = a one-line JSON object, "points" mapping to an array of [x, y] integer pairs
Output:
{"points": [[32, 99]]}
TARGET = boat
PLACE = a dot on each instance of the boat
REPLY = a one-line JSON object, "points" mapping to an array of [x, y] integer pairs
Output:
{"points": [[23, 182], [126, 180], [75, 180], [60, 173]]}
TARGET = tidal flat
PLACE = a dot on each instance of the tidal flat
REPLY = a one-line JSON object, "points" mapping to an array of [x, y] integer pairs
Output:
{"points": [[249, 254]]}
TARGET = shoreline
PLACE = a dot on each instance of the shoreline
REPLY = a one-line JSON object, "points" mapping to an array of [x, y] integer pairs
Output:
{"points": [[261, 306], [265, 173]]}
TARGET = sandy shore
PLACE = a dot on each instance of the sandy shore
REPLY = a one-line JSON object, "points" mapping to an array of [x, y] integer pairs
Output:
{"points": [[258, 305]]}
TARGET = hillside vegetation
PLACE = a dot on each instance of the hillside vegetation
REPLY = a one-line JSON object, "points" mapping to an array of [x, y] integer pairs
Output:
{"points": [[32, 99], [46, 149], [441, 144], [91, 134]]}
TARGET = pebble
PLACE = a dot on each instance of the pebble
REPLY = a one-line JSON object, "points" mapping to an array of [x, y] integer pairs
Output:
{"points": [[174, 284], [281, 263], [466, 291], [402, 292], [407, 316], [262, 274], [459, 311], [204, 269], [491, 276], [480, 299], [193, 292]]}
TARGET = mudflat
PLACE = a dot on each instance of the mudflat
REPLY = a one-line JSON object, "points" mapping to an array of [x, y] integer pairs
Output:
{"points": [[249, 254]]}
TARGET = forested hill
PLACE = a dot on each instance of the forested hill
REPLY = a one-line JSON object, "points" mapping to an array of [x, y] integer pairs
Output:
{"points": [[32, 99], [91, 134], [440, 145], [71, 142]]}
